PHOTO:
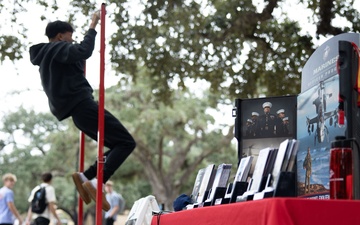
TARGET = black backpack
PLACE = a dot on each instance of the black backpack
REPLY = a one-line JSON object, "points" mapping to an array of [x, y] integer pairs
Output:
{"points": [[38, 204]]}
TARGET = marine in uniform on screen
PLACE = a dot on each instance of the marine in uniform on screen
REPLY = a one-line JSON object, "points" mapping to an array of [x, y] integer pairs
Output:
{"points": [[267, 121]]}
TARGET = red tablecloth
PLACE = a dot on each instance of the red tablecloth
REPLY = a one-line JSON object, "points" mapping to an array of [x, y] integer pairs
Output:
{"points": [[272, 211]]}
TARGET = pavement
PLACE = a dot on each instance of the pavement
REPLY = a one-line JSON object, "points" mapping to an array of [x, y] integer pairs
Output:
{"points": [[121, 219]]}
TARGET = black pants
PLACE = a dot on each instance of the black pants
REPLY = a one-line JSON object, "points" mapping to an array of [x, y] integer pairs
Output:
{"points": [[109, 221], [116, 137], [41, 221]]}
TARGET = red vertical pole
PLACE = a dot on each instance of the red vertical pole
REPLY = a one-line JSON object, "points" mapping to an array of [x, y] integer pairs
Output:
{"points": [[101, 120]]}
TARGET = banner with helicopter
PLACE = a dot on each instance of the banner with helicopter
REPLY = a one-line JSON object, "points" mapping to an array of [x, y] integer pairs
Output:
{"points": [[317, 117]]}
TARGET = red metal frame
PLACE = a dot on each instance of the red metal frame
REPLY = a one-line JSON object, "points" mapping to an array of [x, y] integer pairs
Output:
{"points": [[101, 120], [81, 169], [101, 116]]}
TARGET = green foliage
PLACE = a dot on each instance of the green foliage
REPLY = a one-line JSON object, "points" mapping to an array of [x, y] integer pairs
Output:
{"points": [[10, 48], [35, 143], [242, 49], [173, 141], [26, 149], [179, 40]]}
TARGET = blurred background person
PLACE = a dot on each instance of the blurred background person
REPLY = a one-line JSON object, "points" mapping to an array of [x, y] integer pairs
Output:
{"points": [[44, 217], [116, 201], [8, 211]]}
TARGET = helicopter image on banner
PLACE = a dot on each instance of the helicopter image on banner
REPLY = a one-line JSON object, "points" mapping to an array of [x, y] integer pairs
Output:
{"points": [[317, 123]]}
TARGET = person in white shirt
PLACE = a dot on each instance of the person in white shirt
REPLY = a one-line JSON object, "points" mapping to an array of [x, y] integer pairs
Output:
{"points": [[44, 218]]}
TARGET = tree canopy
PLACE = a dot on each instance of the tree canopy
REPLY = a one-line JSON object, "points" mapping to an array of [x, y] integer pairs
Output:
{"points": [[242, 48], [173, 142]]}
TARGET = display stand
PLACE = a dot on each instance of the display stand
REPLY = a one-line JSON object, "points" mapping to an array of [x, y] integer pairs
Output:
{"points": [[224, 195], [287, 185], [265, 182], [239, 189], [226, 198], [204, 198], [218, 196], [199, 204], [266, 193]]}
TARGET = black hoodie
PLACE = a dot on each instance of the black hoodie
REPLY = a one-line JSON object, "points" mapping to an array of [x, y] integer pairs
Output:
{"points": [[61, 67]]}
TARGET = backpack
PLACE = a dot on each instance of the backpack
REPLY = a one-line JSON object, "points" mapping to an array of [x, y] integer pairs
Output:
{"points": [[38, 203], [121, 204]]}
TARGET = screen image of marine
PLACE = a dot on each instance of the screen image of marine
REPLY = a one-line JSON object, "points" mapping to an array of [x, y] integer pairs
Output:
{"points": [[268, 117], [265, 122]]}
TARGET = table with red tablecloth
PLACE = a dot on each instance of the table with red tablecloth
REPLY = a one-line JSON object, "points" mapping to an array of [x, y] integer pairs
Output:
{"points": [[271, 211]]}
